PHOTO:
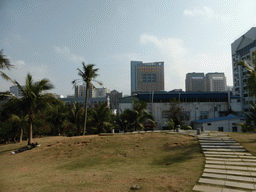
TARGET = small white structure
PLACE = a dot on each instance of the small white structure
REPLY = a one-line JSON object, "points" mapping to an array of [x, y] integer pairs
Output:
{"points": [[225, 124]]}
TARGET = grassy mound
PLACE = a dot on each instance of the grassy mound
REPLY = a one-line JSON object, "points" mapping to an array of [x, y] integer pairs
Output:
{"points": [[154, 161]]}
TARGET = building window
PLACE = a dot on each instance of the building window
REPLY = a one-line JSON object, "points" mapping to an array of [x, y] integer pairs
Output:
{"points": [[166, 114], [149, 78], [220, 129], [209, 124], [185, 115], [204, 114], [234, 129]]}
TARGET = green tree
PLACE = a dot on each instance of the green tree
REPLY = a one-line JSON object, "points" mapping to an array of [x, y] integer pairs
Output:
{"points": [[251, 119], [76, 117], [13, 118], [171, 124], [138, 115], [34, 100], [102, 118], [21, 119], [250, 65], [88, 74], [4, 64], [175, 111], [58, 116], [121, 122]]}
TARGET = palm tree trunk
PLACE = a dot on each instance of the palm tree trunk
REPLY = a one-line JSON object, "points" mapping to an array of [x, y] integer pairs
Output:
{"points": [[85, 110], [30, 128], [31, 133], [21, 134]]}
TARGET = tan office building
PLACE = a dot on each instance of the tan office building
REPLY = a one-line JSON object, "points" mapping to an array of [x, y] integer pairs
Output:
{"points": [[147, 76]]}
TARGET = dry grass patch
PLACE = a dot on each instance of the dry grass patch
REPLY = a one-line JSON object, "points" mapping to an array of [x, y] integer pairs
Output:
{"points": [[155, 161], [247, 140]]}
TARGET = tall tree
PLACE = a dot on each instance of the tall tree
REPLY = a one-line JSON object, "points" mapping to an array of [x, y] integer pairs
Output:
{"points": [[33, 98], [175, 111], [88, 74], [4, 64]]}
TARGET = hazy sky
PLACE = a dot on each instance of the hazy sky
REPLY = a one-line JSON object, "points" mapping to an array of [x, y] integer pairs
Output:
{"points": [[50, 39]]}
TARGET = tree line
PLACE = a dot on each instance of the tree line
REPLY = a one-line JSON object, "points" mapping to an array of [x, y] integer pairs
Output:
{"points": [[40, 113]]}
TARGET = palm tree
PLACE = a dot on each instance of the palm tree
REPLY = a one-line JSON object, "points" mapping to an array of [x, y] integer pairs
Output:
{"points": [[138, 115], [88, 74], [76, 115], [58, 116], [4, 64], [21, 120], [121, 121], [33, 98], [101, 118], [12, 113]]}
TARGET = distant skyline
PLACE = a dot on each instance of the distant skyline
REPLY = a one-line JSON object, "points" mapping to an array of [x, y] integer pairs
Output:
{"points": [[50, 39]]}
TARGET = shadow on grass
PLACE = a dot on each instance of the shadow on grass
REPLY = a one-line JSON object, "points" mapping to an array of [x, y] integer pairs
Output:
{"points": [[90, 162], [178, 154]]}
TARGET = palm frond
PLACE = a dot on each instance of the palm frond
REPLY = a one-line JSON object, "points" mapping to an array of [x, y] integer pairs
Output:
{"points": [[4, 62]]}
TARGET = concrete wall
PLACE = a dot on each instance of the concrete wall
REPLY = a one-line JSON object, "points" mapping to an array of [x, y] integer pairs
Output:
{"points": [[194, 110], [226, 124]]}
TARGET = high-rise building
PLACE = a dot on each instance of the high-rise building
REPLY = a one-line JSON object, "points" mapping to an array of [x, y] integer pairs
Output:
{"points": [[147, 76], [215, 82], [16, 91], [80, 91], [114, 97], [195, 82], [242, 49], [198, 82]]}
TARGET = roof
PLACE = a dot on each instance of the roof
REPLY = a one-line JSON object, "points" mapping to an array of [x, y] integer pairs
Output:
{"points": [[182, 95], [127, 99], [230, 116]]}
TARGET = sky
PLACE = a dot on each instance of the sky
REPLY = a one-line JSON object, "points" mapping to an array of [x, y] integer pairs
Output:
{"points": [[51, 38]]}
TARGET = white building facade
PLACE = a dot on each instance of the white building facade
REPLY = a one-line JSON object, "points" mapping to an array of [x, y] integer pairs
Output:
{"points": [[229, 123], [242, 49], [196, 106]]}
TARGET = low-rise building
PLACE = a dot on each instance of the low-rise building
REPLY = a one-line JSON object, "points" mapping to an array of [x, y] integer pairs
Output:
{"points": [[92, 102], [195, 105], [229, 123]]}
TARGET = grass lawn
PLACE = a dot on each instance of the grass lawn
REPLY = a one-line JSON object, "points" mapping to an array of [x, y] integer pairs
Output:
{"points": [[154, 161], [247, 140]]}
